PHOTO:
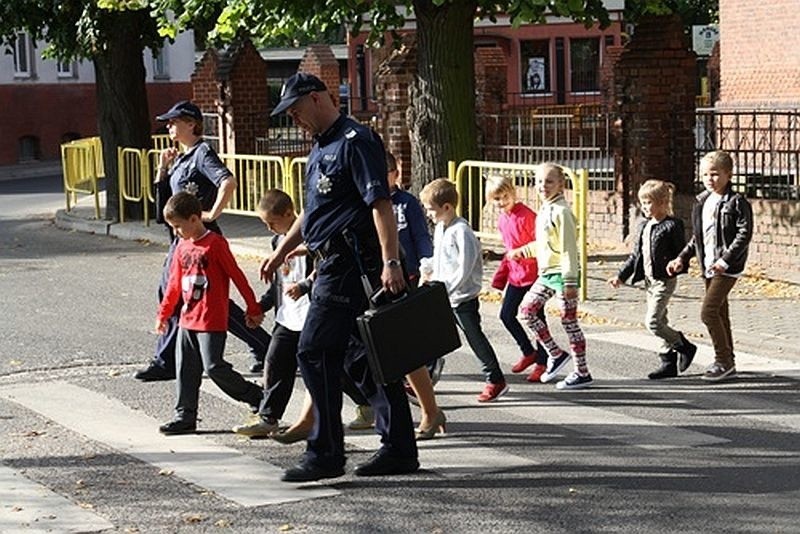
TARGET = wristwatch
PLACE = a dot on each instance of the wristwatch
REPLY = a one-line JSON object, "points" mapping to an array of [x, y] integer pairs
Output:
{"points": [[393, 263]]}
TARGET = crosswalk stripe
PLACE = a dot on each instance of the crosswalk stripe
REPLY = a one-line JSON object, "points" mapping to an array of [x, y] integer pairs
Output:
{"points": [[451, 457], [26, 506], [226, 471], [705, 353], [636, 431]]}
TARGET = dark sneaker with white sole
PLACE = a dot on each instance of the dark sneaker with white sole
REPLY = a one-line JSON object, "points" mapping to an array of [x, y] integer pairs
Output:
{"points": [[575, 381], [554, 366], [718, 371]]}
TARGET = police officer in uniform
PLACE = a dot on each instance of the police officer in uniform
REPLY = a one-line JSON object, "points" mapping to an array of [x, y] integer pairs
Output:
{"points": [[199, 171], [349, 226]]}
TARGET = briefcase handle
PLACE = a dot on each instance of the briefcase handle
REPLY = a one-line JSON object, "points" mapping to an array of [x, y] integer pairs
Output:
{"points": [[382, 297]]}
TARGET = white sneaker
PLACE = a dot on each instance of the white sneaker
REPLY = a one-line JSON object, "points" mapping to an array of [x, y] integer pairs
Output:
{"points": [[364, 420]]}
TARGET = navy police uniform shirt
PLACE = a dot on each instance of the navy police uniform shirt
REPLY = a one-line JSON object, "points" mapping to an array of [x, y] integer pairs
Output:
{"points": [[198, 171], [345, 174]]}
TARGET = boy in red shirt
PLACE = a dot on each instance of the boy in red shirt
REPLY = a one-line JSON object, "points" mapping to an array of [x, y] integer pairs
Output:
{"points": [[201, 271]]}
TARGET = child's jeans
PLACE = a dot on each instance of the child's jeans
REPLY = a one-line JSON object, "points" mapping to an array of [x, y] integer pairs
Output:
{"points": [[658, 294], [508, 315], [714, 314], [468, 319], [529, 310], [204, 350]]}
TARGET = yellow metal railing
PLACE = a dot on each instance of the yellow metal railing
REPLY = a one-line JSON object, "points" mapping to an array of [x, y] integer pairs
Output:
{"points": [[469, 178], [296, 180], [255, 175], [82, 164]]}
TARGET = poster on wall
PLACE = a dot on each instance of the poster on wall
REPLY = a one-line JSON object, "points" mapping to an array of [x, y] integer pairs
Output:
{"points": [[534, 78]]}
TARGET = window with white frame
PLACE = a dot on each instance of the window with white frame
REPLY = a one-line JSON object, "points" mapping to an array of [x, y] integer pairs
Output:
{"points": [[23, 56], [160, 65], [584, 61], [66, 69]]}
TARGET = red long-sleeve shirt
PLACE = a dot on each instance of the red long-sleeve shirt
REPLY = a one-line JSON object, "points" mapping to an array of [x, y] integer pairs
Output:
{"points": [[201, 272]]}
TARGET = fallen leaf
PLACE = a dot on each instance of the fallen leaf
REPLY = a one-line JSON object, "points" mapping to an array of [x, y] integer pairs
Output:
{"points": [[194, 518], [285, 528], [222, 523], [166, 472], [114, 372]]}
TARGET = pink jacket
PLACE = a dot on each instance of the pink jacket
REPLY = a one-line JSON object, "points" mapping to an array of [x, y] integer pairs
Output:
{"points": [[517, 228]]}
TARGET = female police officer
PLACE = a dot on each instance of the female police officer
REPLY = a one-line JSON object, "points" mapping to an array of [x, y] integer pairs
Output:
{"points": [[347, 220], [200, 172]]}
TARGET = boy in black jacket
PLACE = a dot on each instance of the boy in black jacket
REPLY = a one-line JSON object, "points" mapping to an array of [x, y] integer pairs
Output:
{"points": [[722, 222], [659, 238]]}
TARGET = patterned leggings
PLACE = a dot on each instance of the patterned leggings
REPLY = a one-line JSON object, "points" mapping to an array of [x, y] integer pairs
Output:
{"points": [[534, 301]]}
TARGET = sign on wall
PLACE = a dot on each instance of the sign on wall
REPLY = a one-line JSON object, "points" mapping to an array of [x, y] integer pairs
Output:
{"points": [[703, 39]]}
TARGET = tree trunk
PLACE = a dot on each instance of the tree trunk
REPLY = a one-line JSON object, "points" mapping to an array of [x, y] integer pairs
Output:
{"points": [[122, 109], [441, 118]]}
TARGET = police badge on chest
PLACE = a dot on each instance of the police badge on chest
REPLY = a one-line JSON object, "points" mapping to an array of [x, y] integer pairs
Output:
{"points": [[324, 184]]}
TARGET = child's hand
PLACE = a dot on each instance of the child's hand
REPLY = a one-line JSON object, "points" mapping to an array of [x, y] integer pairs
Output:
{"points": [[253, 321], [515, 254], [294, 291], [161, 327], [570, 292], [675, 266], [300, 250], [717, 269], [614, 282]]}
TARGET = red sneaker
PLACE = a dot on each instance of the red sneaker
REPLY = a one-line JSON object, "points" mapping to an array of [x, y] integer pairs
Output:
{"points": [[492, 392], [538, 371], [523, 363]]}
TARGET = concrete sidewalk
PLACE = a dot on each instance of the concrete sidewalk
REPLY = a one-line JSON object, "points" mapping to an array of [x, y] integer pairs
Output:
{"points": [[764, 314]]}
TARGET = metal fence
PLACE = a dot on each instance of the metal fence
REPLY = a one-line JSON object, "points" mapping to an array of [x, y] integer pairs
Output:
{"points": [[764, 145], [575, 136]]}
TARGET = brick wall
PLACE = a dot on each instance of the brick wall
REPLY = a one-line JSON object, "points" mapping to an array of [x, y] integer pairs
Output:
{"points": [[759, 54], [248, 99], [654, 100], [775, 248], [67, 109], [392, 80], [491, 86], [205, 88], [320, 61]]}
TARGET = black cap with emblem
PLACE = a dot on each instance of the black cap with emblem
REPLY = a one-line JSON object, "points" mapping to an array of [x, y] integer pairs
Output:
{"points": [[299, 84]]}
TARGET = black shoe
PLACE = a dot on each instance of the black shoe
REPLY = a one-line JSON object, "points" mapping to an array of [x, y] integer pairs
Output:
{"points": [[153, 373], [686, 353], [669, 367], [382, 463], [177, 427], [309, 472]]}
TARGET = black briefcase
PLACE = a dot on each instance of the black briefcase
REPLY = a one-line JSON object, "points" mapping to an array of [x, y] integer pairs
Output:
{"points": [[405, 334]]}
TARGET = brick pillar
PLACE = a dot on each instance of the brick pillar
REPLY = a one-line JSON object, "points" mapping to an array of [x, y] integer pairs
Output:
{"points": [[491, 86], [714, 75], [655, 99], [320, 61], [205, 89], [248, 95], [393, 77]]}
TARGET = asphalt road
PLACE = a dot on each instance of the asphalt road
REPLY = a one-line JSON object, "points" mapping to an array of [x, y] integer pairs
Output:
{"points": [[627, 455]]}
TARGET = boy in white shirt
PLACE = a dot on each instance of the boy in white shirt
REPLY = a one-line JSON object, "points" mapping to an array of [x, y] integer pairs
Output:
{"points": [[457, 262]]}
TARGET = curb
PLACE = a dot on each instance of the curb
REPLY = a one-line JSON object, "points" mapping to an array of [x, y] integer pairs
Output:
{"points": [[67, 221]]}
